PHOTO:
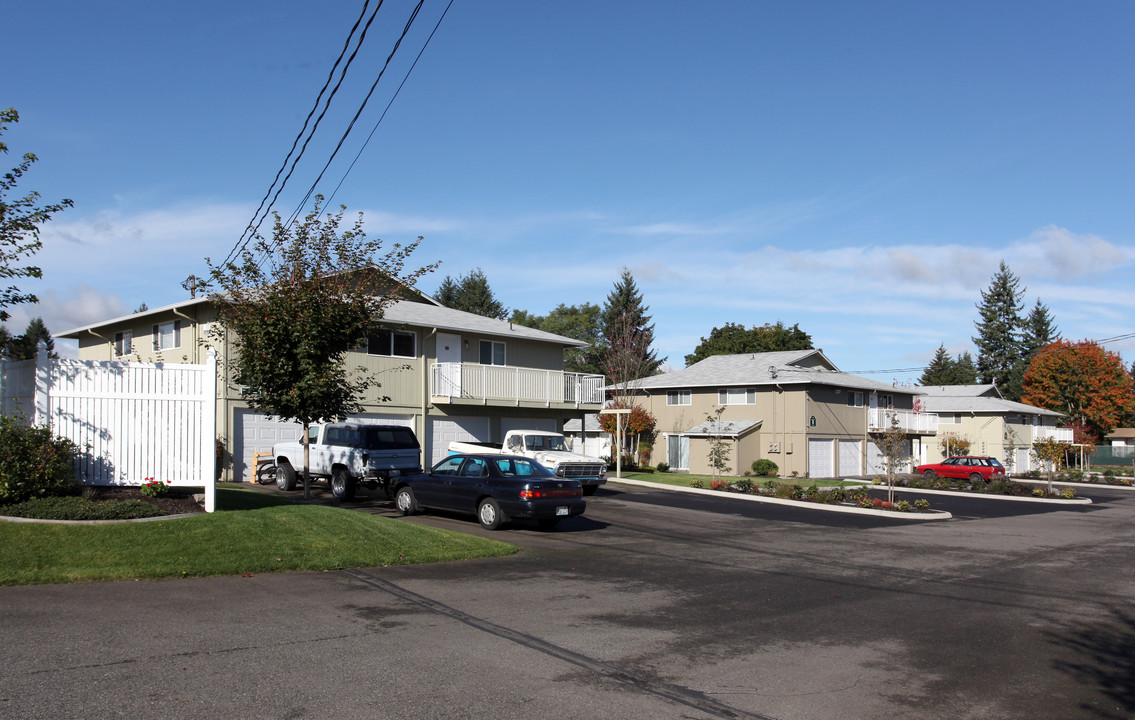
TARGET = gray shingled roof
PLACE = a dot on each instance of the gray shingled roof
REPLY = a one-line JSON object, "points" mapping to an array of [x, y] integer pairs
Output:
{"points": [[401, 312], [729, 428], [789, 367], [965, 400], [590, 424], [989, 390]]}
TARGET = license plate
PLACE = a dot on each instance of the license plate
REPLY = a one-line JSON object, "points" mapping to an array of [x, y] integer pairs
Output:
{"points": [[561, 510]]}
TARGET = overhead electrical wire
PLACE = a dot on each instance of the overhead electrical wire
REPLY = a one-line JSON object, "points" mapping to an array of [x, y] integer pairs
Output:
{"points": [[392, 99], [362, 106], [254, 225]]}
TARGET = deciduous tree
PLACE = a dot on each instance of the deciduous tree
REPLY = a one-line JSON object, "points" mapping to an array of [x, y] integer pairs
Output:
{"points": [[1090, 385], [20, 221], [295, 304]]}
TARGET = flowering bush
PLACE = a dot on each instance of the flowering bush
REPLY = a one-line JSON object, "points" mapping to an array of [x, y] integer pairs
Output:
{"points": [[154, 488], [1068, 493], [1039, 492], [902, 506], [720, 485], [697, 483], [922, 504]]}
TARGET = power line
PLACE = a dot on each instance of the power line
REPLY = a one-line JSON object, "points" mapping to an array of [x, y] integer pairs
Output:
{"points": [[362, 106], [392, 99], [254, 224]]}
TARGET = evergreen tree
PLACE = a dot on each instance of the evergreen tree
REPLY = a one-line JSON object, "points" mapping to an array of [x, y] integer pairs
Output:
{"points": [[23, 347], [628, 334], [965, 371], [998, 338], [940, 371], [1037, 331], [471, 293]]}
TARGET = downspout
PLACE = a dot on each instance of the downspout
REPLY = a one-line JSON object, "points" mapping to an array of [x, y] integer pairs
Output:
{"points": [[192, 321], [109, 343], [426, 393]]}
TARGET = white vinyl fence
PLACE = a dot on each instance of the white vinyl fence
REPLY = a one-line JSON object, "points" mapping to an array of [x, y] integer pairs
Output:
{"points": [[131, 421]]}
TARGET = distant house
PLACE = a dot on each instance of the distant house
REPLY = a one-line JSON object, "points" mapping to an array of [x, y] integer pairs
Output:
{"points": [[794, 408], [588, 437], [448, 374], [993, 425], [1122, 437]]}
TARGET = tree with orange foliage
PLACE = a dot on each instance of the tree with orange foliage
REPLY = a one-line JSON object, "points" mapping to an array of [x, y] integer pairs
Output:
{"points": [[1088, 384]]}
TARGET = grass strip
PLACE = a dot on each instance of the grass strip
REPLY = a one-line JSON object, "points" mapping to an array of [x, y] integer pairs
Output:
{"points": [[683, 479], [253, 533]]}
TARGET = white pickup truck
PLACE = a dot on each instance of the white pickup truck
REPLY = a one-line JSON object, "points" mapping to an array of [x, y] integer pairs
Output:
{"points": [[349, 453], [547, 448]]}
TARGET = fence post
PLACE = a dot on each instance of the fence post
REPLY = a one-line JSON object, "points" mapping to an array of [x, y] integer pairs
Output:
{"points": [[42, 384], [209, 430]]}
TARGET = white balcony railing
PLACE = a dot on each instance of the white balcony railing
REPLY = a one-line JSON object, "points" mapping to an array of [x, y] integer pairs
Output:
{"points": [[502, 383], [909, 422], [1040, 432]]}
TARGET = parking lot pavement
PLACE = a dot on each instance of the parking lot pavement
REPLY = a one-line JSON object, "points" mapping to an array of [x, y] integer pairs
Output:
{"points": [[650, 605]]}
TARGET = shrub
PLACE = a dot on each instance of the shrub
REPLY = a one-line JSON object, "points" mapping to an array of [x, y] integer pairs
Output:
{"points": [[34, 463], [1076, 475], [922, 504], [902, 506], [744, 485], [769, 484], [811, 491], [696, 483], [719, 485], [81, 508], [765, 467], [1068, 493], [1039, 492], [795, 492], [662, 467]]}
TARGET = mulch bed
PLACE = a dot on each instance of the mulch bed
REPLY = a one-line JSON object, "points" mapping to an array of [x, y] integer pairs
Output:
{"points": [[177, 502]]}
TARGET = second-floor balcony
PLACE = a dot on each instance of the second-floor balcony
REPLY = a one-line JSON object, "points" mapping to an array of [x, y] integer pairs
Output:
{"points": [[911, 423], [500, 384], [1041, 432]]}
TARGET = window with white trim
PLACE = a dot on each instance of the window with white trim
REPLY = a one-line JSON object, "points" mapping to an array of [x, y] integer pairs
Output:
{"points": [[678, 397], [886, 401], [678, 452], [167, 336], [854, 399], [392, 343], [123, 343], [492, 352], [737, 396]]}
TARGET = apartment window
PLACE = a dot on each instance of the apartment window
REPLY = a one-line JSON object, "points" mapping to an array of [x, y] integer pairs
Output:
{"points": [[854, 399], [392, 343], [492, 352], [886, 401], [678, 397], [167, 336], [122, 343], [737, 396]]}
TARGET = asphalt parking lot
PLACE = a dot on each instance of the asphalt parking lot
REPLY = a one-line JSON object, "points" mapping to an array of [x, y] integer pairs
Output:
{"points": [[653, 604]]}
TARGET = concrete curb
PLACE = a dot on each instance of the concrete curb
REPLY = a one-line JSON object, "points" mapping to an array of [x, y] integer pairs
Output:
{"points": [[988, 496], [1074, 484], [824, 507]]}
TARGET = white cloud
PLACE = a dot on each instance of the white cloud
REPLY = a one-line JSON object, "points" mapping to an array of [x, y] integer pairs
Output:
{"points": [[1054, 251]]}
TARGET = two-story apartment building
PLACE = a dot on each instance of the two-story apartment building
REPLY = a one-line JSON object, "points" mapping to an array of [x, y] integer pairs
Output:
{"points": [[448, 374], [794, 408], [993, 426]]}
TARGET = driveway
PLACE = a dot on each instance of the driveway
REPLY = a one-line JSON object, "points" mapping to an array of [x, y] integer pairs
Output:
{"points": [[652, 605]]}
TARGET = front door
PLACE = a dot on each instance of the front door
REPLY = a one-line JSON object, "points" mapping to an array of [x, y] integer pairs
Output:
{"points": [[449, 365]]}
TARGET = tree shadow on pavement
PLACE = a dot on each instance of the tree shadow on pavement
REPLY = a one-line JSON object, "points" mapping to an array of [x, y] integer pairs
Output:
{"points": [[1104, 658]]}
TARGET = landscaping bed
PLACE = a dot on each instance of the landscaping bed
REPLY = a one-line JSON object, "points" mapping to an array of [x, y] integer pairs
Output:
{"points": [[106, 503]]}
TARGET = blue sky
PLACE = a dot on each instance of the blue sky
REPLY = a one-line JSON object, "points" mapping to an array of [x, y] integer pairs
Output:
{"points": [[857, 168]]}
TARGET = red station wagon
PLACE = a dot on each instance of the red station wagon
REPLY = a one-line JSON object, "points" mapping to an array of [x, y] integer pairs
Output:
{"points": [[964, 468]]}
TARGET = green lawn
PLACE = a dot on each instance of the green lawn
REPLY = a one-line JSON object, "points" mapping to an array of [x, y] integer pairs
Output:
{"points": [[251, 532], [683, 479]]}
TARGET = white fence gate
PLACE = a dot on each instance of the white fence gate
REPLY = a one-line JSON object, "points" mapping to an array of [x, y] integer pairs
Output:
{"points": [[131, 421]]}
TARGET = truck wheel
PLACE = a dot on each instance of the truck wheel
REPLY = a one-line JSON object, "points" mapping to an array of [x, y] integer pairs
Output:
{"points": [[590, 489], [342, 485], [285, 476], [404, 501], [489, 514]]}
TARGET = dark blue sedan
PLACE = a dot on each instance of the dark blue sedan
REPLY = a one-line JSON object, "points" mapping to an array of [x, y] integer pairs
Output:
{"points": [[495, 488]]}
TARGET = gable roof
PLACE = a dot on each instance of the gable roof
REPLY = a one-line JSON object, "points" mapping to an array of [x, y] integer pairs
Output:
{"points": [[424, 313], [976, 399], [787, 367], [726, 428]]}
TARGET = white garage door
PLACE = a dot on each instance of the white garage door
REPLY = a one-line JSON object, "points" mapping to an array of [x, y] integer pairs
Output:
{"points": [[849, 457], [443, 431], [256, 432], [820, 459], [547, 425], [876, 463]]}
